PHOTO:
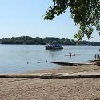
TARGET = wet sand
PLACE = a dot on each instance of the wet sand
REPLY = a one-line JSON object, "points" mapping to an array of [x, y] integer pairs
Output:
{"points": [[70, 69], [52, 89]]}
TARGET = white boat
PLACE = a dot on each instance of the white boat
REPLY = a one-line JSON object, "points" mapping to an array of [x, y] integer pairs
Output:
{"points": [[53, 46]]}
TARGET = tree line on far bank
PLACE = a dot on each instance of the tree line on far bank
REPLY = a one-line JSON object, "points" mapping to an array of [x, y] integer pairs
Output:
{"points": [[42, 41]]}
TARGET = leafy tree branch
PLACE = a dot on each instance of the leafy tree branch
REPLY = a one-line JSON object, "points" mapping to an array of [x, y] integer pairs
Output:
{"points": [[85, 13]]}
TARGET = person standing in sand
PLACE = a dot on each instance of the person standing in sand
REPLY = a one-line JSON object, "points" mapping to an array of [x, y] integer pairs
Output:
{"points": [[95, 57], [98, 56]]}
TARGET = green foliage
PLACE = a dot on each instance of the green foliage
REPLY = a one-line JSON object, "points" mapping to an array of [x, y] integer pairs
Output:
{"points": [[85, 13], [26, 40]]}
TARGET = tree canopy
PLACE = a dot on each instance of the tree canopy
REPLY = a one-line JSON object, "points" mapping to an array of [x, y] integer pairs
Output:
{"points": [[85, 13]]}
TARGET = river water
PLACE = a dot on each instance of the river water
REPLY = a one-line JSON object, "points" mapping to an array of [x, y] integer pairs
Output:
{"points": [[23, 58]]}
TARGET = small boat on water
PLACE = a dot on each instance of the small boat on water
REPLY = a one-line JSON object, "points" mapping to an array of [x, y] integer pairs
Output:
{"points": [[53, 46]]}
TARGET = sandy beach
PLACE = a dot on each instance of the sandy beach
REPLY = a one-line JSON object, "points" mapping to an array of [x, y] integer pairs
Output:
{"points": [[52, 89]]}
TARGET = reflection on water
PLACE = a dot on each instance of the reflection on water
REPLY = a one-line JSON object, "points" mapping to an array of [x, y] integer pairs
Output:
{"points": [[21, 58], [54, 53]]}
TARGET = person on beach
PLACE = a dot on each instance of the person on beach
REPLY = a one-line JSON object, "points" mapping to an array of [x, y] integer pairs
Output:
{"points": [[95, 56], [98, 56]]}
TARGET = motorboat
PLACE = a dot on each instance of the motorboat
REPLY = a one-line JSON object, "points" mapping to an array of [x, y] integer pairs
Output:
{"points": [[53, 46]]}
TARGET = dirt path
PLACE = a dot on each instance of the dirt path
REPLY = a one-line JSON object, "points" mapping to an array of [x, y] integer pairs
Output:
{"points": [[49, 89]]}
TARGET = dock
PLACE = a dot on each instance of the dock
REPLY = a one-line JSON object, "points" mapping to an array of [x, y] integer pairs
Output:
{"points": [[72, 64]]}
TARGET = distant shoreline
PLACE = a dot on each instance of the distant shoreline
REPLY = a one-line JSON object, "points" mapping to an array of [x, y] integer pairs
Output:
{"points": [[45, 44], [27, 40]]}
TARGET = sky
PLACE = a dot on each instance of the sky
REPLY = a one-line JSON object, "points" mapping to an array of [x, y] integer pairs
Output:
{"points": [[25, 18]]}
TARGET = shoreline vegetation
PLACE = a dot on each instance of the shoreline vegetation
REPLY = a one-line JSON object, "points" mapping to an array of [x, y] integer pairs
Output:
{"points": [[27, 40]]}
